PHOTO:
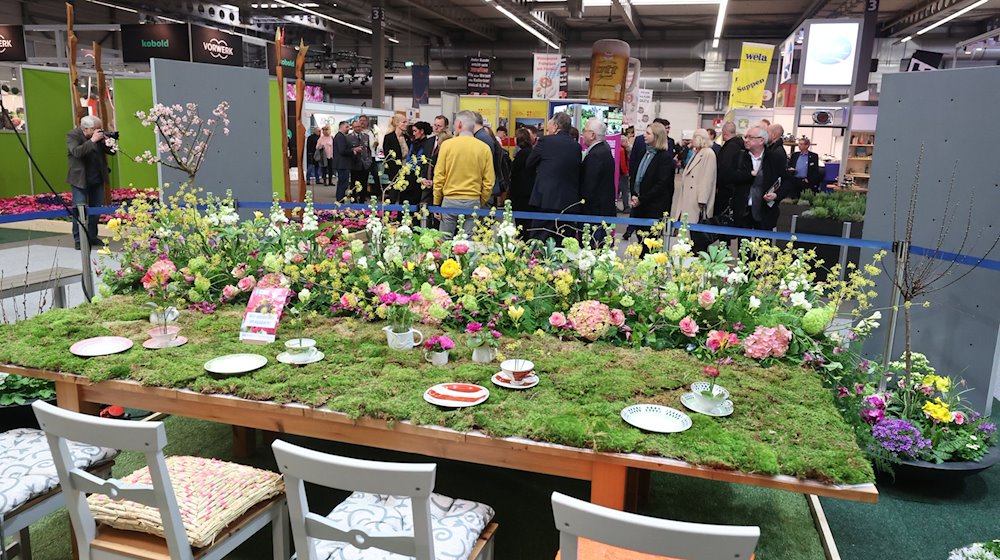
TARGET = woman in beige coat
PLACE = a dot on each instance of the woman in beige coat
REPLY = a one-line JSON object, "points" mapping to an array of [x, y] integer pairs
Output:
{"points": [[696, 196]]}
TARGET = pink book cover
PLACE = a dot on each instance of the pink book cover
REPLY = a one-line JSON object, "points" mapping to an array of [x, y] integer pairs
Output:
{"points": [[260, 321]]}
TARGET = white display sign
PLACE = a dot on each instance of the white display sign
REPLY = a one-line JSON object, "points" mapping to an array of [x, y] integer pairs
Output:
{"points": [[545, 79], [644, 111], [787, 58], [831, 50]]}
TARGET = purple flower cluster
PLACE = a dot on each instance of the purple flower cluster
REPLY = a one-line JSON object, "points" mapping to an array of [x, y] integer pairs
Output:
{"points": [[873, 409], [900, 438], [988, 428]]}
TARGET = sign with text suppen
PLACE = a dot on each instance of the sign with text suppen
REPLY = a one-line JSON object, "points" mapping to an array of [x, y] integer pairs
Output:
{"points": [[479, 77], [141, 42], [212, 46], [748, 88], [12, 43]]}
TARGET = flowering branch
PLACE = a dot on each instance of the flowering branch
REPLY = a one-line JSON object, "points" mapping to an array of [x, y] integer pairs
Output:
{"points": [[185, 144]]}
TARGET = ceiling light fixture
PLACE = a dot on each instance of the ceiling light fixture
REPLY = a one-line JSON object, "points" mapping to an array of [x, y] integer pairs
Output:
{"points": [[172, 20], [524, 25], [605, 3], [957, 14], [719, 21], [324, 16], [117, 7]]}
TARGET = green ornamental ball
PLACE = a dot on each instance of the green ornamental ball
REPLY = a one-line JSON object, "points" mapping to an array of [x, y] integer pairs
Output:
{"points": [[674, 312], [815, 320]]}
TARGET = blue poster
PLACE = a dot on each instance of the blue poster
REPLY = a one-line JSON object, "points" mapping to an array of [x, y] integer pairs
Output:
{"points": [[421, 84]]}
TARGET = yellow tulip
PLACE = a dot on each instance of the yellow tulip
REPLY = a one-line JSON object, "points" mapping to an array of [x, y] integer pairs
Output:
{"points": [[515, 312], [450, 268]]}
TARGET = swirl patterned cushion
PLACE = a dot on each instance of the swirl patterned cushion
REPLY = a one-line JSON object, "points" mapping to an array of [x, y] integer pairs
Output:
{"points": [[210, 493], [27, 469], [455, 524]]}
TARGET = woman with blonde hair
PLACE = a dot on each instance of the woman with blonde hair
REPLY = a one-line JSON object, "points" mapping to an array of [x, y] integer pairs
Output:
{"points": [[696, 196], [652, 182], [325, 143]]}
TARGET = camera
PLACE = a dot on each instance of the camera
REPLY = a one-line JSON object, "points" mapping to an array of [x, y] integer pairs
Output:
{"points": [[111, 134]]}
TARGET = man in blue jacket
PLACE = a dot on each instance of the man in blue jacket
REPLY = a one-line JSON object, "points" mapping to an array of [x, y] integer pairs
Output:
{"points": [[556, 158]]}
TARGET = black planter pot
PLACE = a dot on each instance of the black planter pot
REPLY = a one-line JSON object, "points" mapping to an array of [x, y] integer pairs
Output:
{"points": [[950, 471], [787, 211], [830, 254], [19, 416]]}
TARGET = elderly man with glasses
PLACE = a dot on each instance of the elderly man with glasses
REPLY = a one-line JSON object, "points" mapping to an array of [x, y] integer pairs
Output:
{"points": [[759, 186]]}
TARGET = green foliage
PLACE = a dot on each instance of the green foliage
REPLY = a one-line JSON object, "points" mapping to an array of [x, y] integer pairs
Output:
{"points": [[17, 389], [840, 206]]}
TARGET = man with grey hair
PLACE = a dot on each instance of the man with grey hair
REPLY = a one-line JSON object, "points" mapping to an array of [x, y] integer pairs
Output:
{"points": [[484, 136], [597, 175], [463, 174], [557, 181], [765, 187], [88, 172], [728, 164]]}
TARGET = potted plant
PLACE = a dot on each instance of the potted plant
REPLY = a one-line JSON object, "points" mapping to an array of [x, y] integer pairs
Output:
{"points": [[158, 284], [825, 214], [482, 341], [436, 349], [16, 395], [399, 332], [708, 394]]}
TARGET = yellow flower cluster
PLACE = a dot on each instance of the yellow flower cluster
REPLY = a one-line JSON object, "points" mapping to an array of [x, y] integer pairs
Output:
{"points": [[563, 280], [937, 411], [450, 269], [940, 383]]}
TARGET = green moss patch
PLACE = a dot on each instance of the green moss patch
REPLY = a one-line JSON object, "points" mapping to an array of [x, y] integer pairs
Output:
{"points": [[784, 423]]}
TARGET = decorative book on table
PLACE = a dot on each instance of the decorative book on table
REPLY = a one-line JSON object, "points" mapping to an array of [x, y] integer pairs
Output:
{"points": [[260, 321]]}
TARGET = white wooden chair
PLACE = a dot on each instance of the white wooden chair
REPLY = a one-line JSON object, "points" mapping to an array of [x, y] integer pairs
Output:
{"points": [[581, 525], [159, 508], [392, 510]]}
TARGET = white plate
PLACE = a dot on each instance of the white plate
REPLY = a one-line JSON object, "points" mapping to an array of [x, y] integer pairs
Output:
{"points": [[101, 346], [234, 364], [691, 401], [656, 418], [500, 378], [456, 395], [703, 386], [152, 344], [287, 358]]}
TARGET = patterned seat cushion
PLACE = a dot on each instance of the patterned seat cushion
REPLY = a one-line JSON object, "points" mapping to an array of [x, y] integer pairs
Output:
{"points": [[455, 524], [27, 469], [211, 494]]}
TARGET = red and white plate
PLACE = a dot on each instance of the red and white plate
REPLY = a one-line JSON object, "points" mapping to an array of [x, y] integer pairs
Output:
{"points": [[100, 346], [456, 395]]}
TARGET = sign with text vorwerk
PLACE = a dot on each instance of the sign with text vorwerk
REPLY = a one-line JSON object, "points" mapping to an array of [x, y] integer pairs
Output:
{"points": [[212, 46], [141, 42], [288, 53], [479, 77], [12, 43]]}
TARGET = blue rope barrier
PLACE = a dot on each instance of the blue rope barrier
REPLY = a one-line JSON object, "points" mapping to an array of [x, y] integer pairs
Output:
{"points": [[46, 215], [955, 257]]}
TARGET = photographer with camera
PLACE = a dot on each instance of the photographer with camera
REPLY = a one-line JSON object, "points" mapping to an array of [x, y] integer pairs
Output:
{"points": [[88, 171]]}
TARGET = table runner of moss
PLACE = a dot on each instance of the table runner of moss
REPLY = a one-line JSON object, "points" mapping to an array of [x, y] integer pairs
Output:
{"points": [[784, 421]]}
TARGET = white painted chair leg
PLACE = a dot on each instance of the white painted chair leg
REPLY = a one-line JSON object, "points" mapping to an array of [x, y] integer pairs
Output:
{"points": [[281, 541]]}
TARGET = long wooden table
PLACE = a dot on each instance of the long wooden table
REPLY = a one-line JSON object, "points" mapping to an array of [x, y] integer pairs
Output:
{"points": [[608, 473]]}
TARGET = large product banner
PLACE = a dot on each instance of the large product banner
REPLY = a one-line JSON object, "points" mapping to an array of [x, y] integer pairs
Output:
{"points": [[213, 46], [12, 43], [485, 105], [631, 103], [608, 72], [549, 79], [141, 42], [644, 109], [479, 77], [421, 84], [755, 64]]}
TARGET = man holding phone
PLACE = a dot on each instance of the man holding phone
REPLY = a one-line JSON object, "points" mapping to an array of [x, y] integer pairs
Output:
{"points": [[88, 172]]}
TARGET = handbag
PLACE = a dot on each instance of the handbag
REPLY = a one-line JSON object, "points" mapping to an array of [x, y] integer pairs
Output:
{"points": [[318, 157], [702, 239]]}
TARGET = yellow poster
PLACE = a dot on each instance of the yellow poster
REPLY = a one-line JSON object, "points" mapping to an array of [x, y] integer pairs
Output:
{"points": [[732, 89], [755, 63], [485, 105], [525, 112]]}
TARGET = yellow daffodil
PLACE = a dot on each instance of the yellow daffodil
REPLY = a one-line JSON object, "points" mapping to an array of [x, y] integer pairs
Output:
{"points": [[515, 312], [660, 258], [450, 269], [652, 243]]}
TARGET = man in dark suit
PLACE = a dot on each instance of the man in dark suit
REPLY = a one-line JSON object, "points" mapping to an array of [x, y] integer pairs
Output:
{"points": [[803, 169], [361, 162], [88, 172], [597, 187], [311, 167], [557, 183], [767, 188], [343, 159], [729, 158]]}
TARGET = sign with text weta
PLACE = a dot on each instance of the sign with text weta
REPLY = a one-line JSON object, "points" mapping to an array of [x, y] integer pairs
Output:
{"points": [[141, 42], [288, 53], [12, 43], [212, 46]]}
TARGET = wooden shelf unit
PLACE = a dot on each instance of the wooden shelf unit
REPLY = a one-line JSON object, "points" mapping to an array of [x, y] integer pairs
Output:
{"points": [[862, 146]]}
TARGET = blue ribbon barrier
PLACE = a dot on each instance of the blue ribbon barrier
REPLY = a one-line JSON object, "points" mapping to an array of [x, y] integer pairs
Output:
{"points": [[45, 215]]}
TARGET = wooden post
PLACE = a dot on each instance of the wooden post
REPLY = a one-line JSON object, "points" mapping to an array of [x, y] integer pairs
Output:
{"points": [[78, 111], [300, 129], [608, 485], [106, 116], [279, 42]]}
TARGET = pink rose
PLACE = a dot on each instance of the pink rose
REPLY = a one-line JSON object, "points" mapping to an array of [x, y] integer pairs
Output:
{"points": [[297, 258], [239, 271], [346, 257], [689, 326], [246, 283], [481, 274], [381, 289], [710, 371], [617, 317], [557, 320], [230, 292], [706, 299], [460, 248], [322, 240], [958, 418]]}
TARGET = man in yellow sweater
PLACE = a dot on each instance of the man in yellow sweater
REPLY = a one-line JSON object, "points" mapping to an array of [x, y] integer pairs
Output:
{"points": [[463, 175]]}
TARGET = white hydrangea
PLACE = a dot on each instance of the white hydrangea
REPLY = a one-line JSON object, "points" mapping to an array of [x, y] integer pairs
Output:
{"points": [[798, 299], [392, 253], [736, 276], [586, 260], [681, 248], [404, 231], [507, 231], [363, 262]]}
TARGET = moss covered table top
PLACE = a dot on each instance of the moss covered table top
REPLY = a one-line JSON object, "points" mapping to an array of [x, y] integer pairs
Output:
{"points": [[784, 433]]}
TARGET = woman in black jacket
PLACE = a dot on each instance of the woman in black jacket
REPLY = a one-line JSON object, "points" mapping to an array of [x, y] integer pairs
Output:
{"points": [[522, 177], [652, 182], [395, 148]]}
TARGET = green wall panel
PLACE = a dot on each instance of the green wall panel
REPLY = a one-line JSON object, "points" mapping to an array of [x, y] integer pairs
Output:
{"points": [[277, 169], [14, 177], [49, 112], [131, 95]]}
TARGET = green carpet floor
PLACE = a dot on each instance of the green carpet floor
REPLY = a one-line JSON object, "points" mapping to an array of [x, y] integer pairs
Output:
{"points": [[10, 235], [919, 521], [520, 499]]}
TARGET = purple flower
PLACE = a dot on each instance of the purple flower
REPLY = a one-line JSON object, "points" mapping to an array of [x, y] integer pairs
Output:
{"points": [[900, 438], [842, 392], [988, 428]]}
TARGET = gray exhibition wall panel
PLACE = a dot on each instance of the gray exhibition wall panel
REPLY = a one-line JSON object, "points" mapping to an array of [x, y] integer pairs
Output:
{"points": [[240, 161], [952, 116]]}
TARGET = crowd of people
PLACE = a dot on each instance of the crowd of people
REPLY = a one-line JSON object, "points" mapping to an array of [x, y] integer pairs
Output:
{"points": [[740, 178]]}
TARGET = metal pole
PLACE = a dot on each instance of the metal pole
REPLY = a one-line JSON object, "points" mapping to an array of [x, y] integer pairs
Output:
{"points": [[846, 234], [795, 223], [83, 227], [902, 250]]}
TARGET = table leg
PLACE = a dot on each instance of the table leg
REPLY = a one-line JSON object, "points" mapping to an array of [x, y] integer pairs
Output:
{"points": [[608, 485], [636, 489], [244, 442], [68, 397]]}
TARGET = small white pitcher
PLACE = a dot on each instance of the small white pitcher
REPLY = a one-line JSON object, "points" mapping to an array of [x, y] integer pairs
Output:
{"points": [[482, 355], [438, 359], [402, 341]]}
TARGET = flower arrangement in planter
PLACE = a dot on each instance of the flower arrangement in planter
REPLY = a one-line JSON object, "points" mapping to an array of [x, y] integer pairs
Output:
{"points": [[920, 417], [483, 341], [436, 349], [989, 550], [157, 282]]}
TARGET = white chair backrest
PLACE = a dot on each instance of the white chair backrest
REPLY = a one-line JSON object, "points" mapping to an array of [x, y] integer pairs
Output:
{"points": [[416, 481], [148, 438], [691, 541]]}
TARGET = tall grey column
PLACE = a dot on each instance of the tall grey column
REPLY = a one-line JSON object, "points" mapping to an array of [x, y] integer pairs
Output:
{"points": [[378, 54], [866, 46]]}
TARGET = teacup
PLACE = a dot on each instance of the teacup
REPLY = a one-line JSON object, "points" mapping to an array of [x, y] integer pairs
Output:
{"points": [[517, 370], [300, 348]]}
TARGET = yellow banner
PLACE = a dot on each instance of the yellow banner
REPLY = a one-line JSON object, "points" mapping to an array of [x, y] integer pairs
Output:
{"points": [[732, 88], [755, 63]]}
